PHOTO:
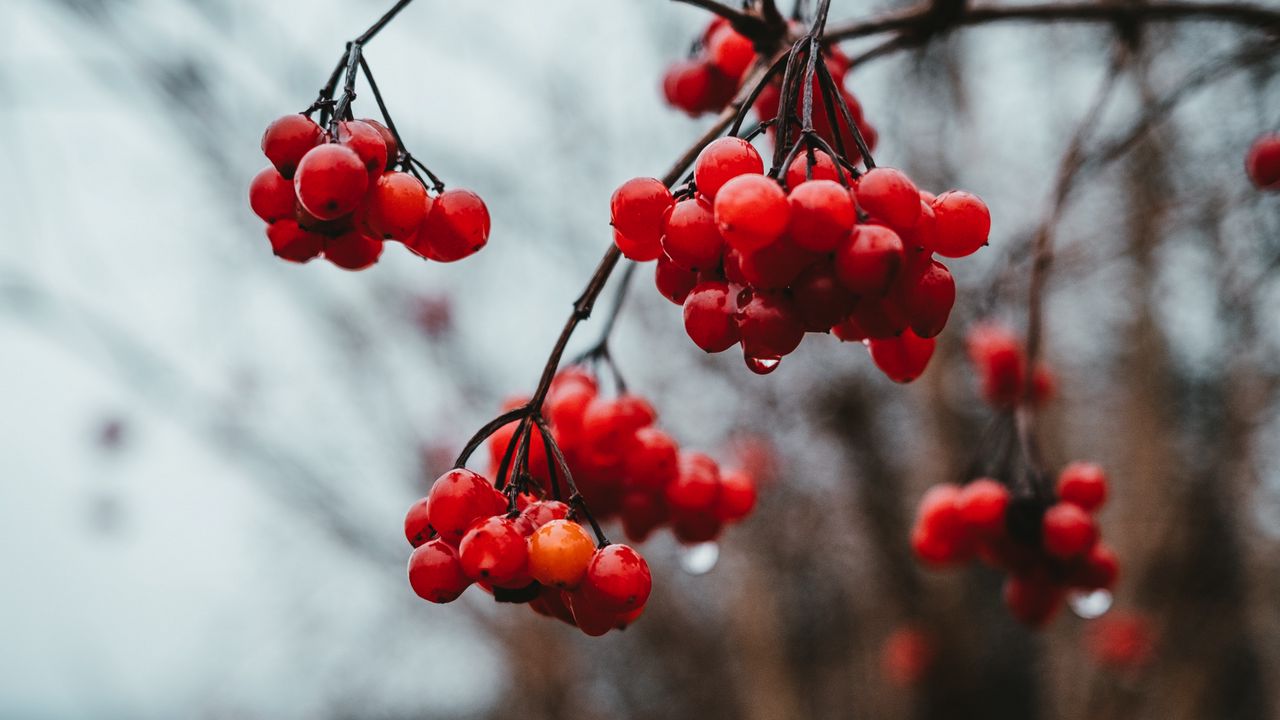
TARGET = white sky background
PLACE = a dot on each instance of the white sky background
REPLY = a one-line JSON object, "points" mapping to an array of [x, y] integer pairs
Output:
{"points": [[266, 401]]}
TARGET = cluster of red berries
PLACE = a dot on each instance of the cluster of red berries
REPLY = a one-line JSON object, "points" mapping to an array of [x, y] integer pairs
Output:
{"points": [[625, 467], [758, 261], [1263, 162], [521, 550], [339, 194], [1046, 550], [707, 81], [1001, 362]]}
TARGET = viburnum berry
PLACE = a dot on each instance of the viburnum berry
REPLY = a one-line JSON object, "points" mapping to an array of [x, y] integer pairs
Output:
{"points": [[330, 181], [721, 161], [611, 423], [822, 214], [927, 298], [455, 226], [1098, 570], [869, 259], [697, 484], [889, 196], [652, 460], [642, 512], [939, 535], [589, 613], [692, 528], [1121, 640], [691, 239], [769, 326], [1033, 599], [673, 282], [367, 143], [417, 523], [287, 139], [730, 52], [539, 513], [1068, 531], [879, 318], [981, 505], [907, 655], [1083, 484], [821, 301], [774, 266], [388, 139], [751, 212], [1263, 162], [494, 550], [457, 499], [688, 85], [293, 243], [709, 317], [435, 572], [396, 206], [559, 553], [963, 224], [617, 579], [353, 250], [737, 496], [637, 210], [271, 196], [902, 358], [824, 168]]}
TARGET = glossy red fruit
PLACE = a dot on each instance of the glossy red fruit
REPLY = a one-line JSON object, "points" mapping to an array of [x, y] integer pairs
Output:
{"points": [[709, 317], [396, 206], [287, 139], [1263, 162], [928, 297], [963, 224], [723, 160], [889, 195], [879, 318], [824, 168], [589, 614], [751, 212], [539, 513], [1098, 569], [769, 326], [673, 282], [330, 181], [691, 239], [290, 242], [435, 572], [642, 512], [822, 215], [652, 461], [1121, 640], [417, 523], [637, 209], [774, 266], [869, 259], [494, 550], [940, 536], [1083, 484], [730, 52], [997, 356], [1032, 599], [687, 85], [902, 358], [457, 499], [1068, 531], [271, 196], [923, 235], [737, 496], [367, 142], [691, 528], [821, 300], [353, 250], [456, 226], [559, 553], [849, 330], [697, 485], [388, 139], [981, 505], [617, 579], [609, 425]]}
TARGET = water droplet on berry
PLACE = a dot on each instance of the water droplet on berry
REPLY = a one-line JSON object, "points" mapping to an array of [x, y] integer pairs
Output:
{"points": [[762, 365], [1090, 605], [700, 559]]}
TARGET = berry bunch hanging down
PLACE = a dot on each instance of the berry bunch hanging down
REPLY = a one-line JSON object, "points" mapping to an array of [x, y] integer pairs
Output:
{"points": [[340, 187], [707, 80], [626, 467], [1047, 545], [758, 258], [1000, 360]]}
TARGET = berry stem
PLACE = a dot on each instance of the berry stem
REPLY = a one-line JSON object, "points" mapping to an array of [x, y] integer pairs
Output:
{"points": [[406, 159], [754, 27]]}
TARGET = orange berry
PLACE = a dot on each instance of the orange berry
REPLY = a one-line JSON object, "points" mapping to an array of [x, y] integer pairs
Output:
{"points": [[559, 553]]}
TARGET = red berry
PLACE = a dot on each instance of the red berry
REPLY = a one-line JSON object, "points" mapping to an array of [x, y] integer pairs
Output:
{"points": [[1122, 640], [822, 215], [637, 209], [869, 259], [1068, 531], [1083, 484], [589, 614], [290, 242], [494, 550], [709, 316], [879, 318], [889, 195], [1032, 599], [457, 499], [559, 553], [539, 513], [821, 300], [353, 250], [457, 225], [687, 85], [997, 355], [388, 138], [1098, 570], [367, 142], [691, 239], [903, 358], [642, 512], [288, 139], [609, 425], [737, 496], [691, 528], [417, 524], [963, 223], [824, 168], [673, 281], [271, 196], [774, 266], [751, 212], [723, 160], [730, 52], [940, 535], [435, 572], [697, 485], [1263, 162], [769, 326], [927, 299], [396, 205], [617, 579], [982, 505], [330, 181], [652, 461]]}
